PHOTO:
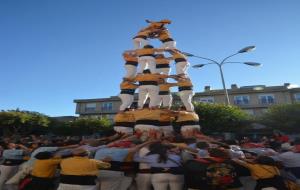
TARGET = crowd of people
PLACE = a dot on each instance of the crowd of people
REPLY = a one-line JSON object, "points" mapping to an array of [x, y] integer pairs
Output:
{"points": [[145, 152], [128, 162]]}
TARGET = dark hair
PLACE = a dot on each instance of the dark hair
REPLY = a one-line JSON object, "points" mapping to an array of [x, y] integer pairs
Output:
{"points": [[265, 160], [147, 71], [43, 155], [202, 145], [161, 150], [148, 46], [216, 152], [190, 140]]}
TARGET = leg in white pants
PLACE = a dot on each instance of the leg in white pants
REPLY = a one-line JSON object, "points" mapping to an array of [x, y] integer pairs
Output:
{"points": [[166, 100], [153, 95], [167, 130], [146, 62], [186, 98], [143, 95], [130, 71], [139, 43], [63, 186], [143, 181], [125, 130], [6, 172], [114, 180], [181, 67], [169, 44], [126, 100], [162, 181], [165, 71]]}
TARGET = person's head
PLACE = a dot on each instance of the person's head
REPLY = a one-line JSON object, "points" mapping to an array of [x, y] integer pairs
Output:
{"points": [[265, 160], [146, 71], [219, 153], [160, 149], [80, 152], [190, 140], [43, 155], [202, 145], [148, 47]]}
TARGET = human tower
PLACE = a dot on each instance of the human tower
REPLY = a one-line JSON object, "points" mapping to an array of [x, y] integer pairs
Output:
{"points": [[148, 70]]}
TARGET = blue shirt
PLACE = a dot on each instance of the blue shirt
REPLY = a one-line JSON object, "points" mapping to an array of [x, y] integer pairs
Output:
{"points": [[13, 154], [116, 154], [173, 160]]}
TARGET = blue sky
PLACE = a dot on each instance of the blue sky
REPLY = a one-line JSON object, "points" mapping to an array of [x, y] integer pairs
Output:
{"points": [[54, 51]]}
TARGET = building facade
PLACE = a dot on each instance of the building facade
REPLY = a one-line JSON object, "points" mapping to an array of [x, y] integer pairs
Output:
{"points": [[252, 99]]}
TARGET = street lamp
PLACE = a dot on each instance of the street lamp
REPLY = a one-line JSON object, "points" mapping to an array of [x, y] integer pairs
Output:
{"points": [[220, 64]]}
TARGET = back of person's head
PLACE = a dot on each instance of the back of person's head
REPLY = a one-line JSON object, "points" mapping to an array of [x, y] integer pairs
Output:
{"points": [[44, 155], [148, 47], [265, 160], [147, 71], [160, 149], [202, 145], [219, 153], [190, 140], [80, 152]]}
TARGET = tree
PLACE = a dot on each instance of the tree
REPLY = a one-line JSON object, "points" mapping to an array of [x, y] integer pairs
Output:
{"points": [[220, 118], [283, 117], [16, 121]]}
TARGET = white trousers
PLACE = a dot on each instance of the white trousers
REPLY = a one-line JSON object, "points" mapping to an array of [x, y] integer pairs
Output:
{"points": [[165, 180], [126, 130], [146, 62], [165, 71], [130, 71], [186, 98], [167, 130], [165, 100], [139, 43], [126, 100], [114, 180], [169, 44], [189, 127], [143, 181], [6, 172], [143, 127], [182, 67], [63, 186], [150, 91]]}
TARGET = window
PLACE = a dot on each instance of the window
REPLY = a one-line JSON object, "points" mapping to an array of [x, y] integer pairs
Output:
{"points": [[90, 107], [206, 100], [106, 106], [297, 97], [241, 100], [266, 99]]}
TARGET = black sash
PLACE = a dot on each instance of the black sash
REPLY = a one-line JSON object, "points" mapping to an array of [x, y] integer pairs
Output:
{"points": [[141, 83], [160, 66], [140, 36], [147, 122], [167, 40], [134, 63], [180, 60], [146, 55], [172, 170], [127, 91], [183, 123], [164, 93], [182, 88], [78, 179]]}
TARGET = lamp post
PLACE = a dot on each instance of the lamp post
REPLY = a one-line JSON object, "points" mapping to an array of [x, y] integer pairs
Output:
{"points": [[223, 62]]}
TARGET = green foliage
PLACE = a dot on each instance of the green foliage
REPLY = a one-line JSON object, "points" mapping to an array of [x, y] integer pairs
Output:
{"points": [[16, 121], [283, 117], [220, 118], [26, 122]]}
